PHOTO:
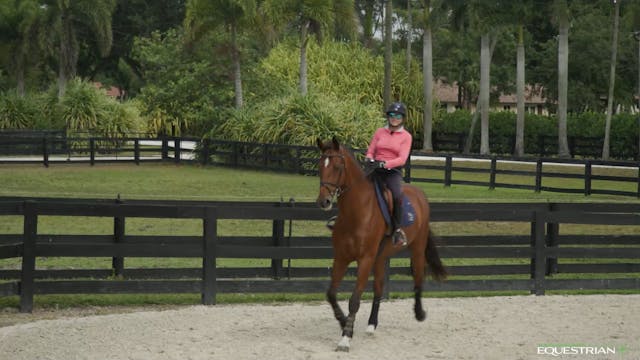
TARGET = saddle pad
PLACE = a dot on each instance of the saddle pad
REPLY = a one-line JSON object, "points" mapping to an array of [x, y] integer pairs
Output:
{"points": [[408, 212]]}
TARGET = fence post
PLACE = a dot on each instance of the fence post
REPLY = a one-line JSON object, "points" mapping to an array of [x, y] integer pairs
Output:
{"points": [[92, 151], [165, 148], [204, 151], [298, 167], [587, 178], [553, 233], [136, 150], [177, 150], [209, 241], [538, 262], [538, 187], [447, 170], [407, 170], [117, 262], [492, 176], [277, 235], [638, 192], [235, 153], [27, 274], [45, 152]]}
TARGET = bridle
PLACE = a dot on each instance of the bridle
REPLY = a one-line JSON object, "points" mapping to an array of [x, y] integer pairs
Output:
{"points": [[334, 188]]}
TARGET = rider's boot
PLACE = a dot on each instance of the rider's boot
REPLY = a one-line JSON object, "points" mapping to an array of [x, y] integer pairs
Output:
{"points": [[398, 238]]}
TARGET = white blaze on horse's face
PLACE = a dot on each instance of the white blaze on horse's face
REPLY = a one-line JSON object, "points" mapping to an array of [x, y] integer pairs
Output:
{"points": [[326, 162]]}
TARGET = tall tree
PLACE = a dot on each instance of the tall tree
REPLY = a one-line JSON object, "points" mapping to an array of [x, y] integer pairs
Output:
{"points": [[208, 15], [612, 79], [485, 18], [388, 51], [561, 11], [309, 17], [67, 18], [521, 12], [21, 27], [369, 13], [433, 15]]}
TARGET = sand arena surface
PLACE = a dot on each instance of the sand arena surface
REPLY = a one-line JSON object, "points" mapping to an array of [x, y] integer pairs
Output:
{"points": [[456, 328]]}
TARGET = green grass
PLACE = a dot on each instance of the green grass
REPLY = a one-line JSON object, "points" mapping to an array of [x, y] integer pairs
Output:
{"points": [[189, 182]]}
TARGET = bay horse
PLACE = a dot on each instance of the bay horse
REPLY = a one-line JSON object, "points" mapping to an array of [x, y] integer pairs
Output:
{"points": [[359, 234]]}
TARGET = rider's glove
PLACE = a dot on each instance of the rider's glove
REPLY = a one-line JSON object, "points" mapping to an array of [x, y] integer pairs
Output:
{"points": [[381, 164]]}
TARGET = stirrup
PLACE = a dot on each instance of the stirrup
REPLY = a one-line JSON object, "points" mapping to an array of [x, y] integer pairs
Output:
{"points": [[331, 222], [399, 238]]}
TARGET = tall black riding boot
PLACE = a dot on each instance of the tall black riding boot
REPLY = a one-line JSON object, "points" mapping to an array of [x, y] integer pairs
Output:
{"points": [[398, 236]]}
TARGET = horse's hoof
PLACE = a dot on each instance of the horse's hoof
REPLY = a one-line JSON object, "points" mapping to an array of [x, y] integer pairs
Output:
{"points": [[343, 345], [421, 315], [371, 329]]}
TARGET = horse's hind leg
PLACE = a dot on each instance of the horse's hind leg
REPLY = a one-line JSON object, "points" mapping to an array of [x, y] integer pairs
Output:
{"points": [[337, 273], [417, 267]]}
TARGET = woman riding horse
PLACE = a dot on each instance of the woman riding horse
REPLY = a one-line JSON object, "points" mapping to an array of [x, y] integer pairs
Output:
{"points": [[359, 235]]}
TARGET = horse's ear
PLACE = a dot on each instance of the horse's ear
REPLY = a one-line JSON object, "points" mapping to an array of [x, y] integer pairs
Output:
{"points": [[336, 144], [319, 143]]}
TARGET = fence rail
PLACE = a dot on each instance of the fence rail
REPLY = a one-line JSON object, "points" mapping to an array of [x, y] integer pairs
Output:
{"points": [[537, 174], [531, 261]]}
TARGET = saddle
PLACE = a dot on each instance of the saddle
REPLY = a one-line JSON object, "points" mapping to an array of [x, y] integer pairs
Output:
{"points": [[385, 202]]}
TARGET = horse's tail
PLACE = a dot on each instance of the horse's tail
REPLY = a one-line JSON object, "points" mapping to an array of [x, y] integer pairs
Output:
{"points": [[437, 269]]}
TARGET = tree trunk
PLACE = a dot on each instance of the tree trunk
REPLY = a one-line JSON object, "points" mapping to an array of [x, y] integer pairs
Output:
{"points": [[472, 128], [68, 55], [563, 83], [387, 52], [519, 145], [485, 65], [427, 86], [409, 31], [612, 80], [237, 74], [367, 24], [20, 86], [303, 58]]}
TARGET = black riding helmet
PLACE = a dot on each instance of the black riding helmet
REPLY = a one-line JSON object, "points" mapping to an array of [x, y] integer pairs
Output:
{"points": [[398, 108]]}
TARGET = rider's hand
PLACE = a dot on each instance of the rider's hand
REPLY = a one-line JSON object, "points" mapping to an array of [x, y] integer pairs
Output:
{"points": [[381, 164]]}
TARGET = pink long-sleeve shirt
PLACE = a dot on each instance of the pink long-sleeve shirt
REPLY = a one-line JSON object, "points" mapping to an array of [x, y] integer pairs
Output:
{"points": [[392, 147]]}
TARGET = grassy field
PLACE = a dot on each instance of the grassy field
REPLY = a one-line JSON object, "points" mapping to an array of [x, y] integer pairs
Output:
{"points": [[190, 182]]}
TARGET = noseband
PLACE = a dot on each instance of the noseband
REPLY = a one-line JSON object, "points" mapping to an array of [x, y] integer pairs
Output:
{"points": [[337, 187]]}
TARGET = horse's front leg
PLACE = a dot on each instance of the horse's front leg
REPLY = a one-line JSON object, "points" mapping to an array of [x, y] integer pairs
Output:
{"points": [[337, 273], [364, 269]]}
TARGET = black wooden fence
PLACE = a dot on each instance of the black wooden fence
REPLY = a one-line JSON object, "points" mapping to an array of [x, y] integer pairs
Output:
{"points": [[441, 168], [536, 260]]}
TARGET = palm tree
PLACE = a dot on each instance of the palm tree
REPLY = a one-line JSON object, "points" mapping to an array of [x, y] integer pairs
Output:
{"points": [[66, 17], [433, 13], [521, 11], [21, 27], [612, 79], [307, 16], [388, 51], [561, 11], [208, 15]]}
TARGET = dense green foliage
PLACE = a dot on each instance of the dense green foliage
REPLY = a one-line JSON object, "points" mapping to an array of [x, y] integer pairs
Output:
{"points": [[83, 109], [624, 130], [185, 83]]}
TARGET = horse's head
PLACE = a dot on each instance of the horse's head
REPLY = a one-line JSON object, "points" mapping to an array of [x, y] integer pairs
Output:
{"points": [[332, 172]]}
